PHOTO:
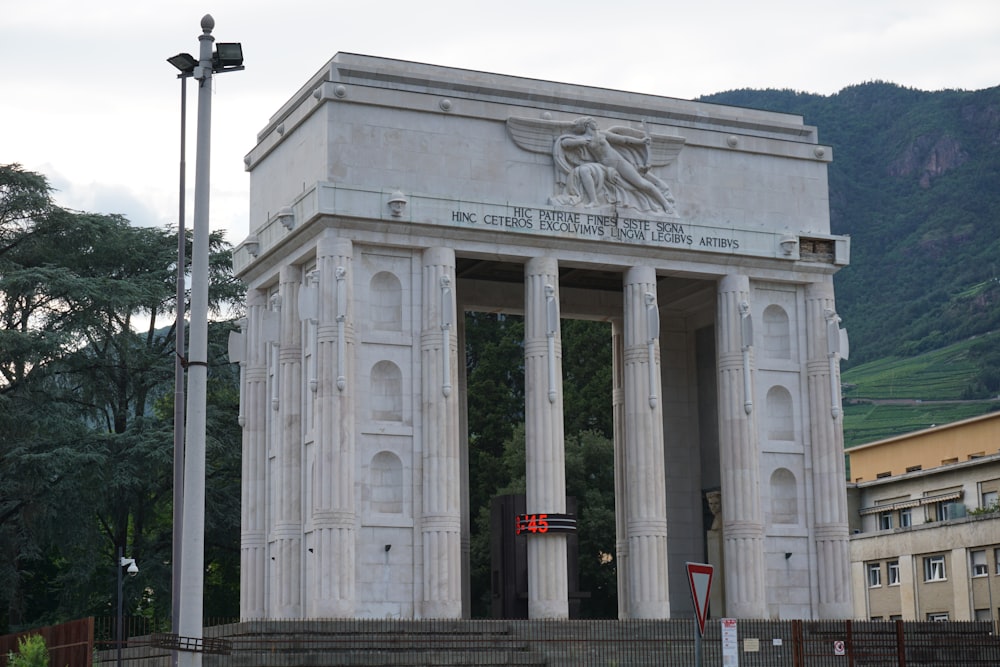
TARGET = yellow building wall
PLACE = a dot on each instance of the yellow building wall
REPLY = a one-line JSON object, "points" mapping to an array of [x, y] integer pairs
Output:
{"points": [[930, 448]]}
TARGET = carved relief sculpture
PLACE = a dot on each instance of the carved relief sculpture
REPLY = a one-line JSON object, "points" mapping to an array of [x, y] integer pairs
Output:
{"points": [[595, 167]]}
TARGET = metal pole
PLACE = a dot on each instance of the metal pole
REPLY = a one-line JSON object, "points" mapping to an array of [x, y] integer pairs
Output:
{"points": [[697, 644], [193, 526], [118, 624], [175, 610]]}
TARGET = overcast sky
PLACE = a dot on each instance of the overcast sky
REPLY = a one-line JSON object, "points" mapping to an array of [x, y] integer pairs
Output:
{"points": [[88, 99]]}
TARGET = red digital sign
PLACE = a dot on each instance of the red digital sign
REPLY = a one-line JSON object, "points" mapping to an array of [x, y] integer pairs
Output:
{"points": [[536, 524]]}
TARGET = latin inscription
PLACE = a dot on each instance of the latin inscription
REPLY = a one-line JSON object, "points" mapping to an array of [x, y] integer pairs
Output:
{"points": [[596, 227]]}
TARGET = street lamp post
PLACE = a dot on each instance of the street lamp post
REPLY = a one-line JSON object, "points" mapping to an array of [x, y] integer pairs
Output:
{"points": [[185, 63], [190, 591], [133, 570]]}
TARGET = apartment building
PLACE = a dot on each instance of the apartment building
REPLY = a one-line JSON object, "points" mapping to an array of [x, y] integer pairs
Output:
{"points": [[925, 523]]}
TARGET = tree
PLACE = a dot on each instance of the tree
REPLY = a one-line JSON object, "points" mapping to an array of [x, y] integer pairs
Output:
{"points": [[495, 367], [586, 365], [85, 358], [31, 652], [590, 478]]}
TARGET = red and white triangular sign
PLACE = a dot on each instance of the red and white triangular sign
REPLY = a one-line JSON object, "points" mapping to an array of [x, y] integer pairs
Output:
{"points": [[700, 578]]}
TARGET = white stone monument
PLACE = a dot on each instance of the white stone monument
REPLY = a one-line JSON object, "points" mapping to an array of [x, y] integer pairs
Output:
{"points": [[389, 197]]}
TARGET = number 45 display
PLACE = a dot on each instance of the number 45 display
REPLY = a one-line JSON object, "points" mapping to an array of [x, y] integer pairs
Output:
{"points": [[544, 523]]}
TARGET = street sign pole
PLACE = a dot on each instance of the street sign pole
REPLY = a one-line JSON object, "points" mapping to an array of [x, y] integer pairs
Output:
{"points": [[700, 579], [698, 662]]}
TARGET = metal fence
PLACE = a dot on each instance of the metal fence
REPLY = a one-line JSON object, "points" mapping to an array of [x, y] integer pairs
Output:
{"points": [[68, 643], [580, 643]]}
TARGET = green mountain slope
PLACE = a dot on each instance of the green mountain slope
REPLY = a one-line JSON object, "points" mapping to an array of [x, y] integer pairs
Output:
{"points": [[915, 182], [895, 395]]}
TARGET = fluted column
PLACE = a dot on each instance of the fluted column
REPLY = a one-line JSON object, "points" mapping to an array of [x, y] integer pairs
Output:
{"points": [[739, 453], [545, 460], [286, 597], [441, 519], [253, 531], [645, 474], [334, 513], [463, 435], [833, 571], [621, 464]]}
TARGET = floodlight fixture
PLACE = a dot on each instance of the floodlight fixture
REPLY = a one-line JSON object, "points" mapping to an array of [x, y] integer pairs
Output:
{"points": [[227, 56], [185, 62]]}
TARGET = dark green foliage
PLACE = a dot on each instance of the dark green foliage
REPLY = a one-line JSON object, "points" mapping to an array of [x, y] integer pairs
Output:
{"points": [[590, 479], [495, 366], [86, 354], [914, 183], [586, 365], [494, 347], [31, 652]]}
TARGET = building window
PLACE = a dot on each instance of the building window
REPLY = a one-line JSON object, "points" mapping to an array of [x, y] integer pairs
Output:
{"points": [[905, 517], [934, 568], [893, 569], [874, 575], [991, 499], [885, 521], [996, 559], [945, 509], [937, 616], [979, 567], [983, 615]]}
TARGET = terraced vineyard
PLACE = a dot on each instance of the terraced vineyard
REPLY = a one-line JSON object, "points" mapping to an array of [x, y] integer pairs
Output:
{"points": [[893, 396]]}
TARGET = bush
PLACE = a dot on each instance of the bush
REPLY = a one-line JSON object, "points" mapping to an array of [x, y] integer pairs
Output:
{"points": [[31, 652]]}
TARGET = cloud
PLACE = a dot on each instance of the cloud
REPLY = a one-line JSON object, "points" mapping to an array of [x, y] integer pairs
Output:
{"points": [[88, 93], [106, 198]]}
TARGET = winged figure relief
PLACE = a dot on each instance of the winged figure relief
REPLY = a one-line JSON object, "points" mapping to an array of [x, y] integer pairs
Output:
{"points": [[595, 167]]}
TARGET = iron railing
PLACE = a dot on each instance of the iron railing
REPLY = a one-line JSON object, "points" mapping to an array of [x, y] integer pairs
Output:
{"points": [[580, 643]]}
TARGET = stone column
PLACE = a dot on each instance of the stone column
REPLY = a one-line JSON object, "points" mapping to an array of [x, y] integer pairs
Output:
{"points": [[833, 561], [859, 581], [621, 464], [739, 453], [334, 513], [545, 460], [908, 588], [463, 434], [253, 539], [645, 477], [441, 519], [286, 536]]}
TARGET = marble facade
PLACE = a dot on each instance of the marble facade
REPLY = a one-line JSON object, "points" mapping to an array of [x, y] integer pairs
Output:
{"points": [[388, 197]]}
